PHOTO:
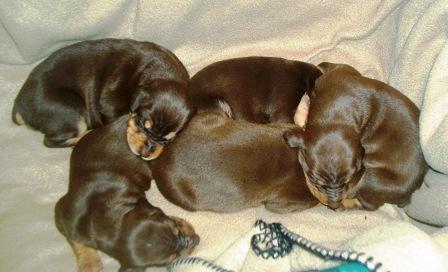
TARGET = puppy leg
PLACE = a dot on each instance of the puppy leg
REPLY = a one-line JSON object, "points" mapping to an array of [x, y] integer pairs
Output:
{"points": [[86, 258], [67, 139], [58, 113], [301, 114], [383, 186], [18, 119]]}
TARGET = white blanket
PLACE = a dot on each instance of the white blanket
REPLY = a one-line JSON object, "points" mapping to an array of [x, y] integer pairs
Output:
{"points": [[395, 246], [401, 42]]}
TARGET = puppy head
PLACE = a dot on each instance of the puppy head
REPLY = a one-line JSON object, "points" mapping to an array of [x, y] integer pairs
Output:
{"points": [[330, 155], [331, 160], [158, 239], [159, 111]]}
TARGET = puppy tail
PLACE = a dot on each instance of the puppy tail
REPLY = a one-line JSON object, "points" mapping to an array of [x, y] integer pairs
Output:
{"points": [[225, 107]]}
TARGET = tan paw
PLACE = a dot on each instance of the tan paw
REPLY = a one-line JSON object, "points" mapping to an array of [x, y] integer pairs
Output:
{"points": [[87, 258]]}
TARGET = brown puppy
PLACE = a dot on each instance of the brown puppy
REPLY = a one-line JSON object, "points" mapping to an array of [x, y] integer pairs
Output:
{"points": [[105, 207], [360, 140], [91, 83], [222, 165], [255, 89]]}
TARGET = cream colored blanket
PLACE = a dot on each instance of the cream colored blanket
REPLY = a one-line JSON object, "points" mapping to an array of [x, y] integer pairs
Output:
{"points": [[401, 42]]}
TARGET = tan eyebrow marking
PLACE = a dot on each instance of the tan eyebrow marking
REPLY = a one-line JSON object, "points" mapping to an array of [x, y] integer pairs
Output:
{"points": [[148, 123]]}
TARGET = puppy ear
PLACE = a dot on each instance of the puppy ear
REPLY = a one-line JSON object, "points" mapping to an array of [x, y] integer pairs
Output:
{"points": [[294, 138], [301, 114], [137, 100], [326, 67]]}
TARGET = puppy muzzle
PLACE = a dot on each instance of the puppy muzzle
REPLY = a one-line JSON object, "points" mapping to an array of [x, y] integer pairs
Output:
{"points": [[140, 144], [186, 241], [334, 205], [150, 150], [335, 197]]}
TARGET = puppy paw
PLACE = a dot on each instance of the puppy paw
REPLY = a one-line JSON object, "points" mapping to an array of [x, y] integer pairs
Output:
{"points": [[87, 258], [90, 265]]}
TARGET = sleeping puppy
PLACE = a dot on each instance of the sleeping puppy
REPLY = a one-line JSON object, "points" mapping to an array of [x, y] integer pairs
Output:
{"points": [[91, 83], [255, 89], [106, 209], [223, 165], [360, 140]]}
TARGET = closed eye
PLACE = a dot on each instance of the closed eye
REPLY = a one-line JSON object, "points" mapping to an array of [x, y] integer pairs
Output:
{"points": [[164, 141]]}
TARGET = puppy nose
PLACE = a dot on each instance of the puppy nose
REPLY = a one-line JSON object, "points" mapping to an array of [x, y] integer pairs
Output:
{"points": [[334, 205]]}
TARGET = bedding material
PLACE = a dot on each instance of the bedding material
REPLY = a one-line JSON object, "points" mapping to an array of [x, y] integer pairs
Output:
{"points": [[403, 43], [394, 246]]}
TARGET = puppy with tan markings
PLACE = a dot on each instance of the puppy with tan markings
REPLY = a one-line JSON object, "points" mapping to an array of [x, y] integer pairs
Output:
{"points": [[225, 165], [106, 209], [359, 140], [89, 84], [254, 89]]}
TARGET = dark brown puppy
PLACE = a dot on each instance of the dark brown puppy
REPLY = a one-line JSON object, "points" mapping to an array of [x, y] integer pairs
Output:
{"points": [[105, 207], [360, 140], [91, 83], [222, 165], [255, 89]]}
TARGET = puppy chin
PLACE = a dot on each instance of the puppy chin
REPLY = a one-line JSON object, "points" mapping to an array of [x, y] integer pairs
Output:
{"points": [[141, 151], [147, 156], [334, 205], [322, 197]]}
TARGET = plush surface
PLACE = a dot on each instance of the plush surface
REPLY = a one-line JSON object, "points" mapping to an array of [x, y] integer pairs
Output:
{"points": [[394, 246], [400, 42]]}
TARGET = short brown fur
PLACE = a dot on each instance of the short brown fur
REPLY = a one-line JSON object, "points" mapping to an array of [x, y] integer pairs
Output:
{"points": [[106, 209], [360, 140], [98, 81], [222, 165], [256, 89]]}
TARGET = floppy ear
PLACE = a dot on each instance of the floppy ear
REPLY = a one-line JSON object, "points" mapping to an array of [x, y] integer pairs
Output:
{"points": [[325, 67], [301, 114], [294, 138], [138, 98]]}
